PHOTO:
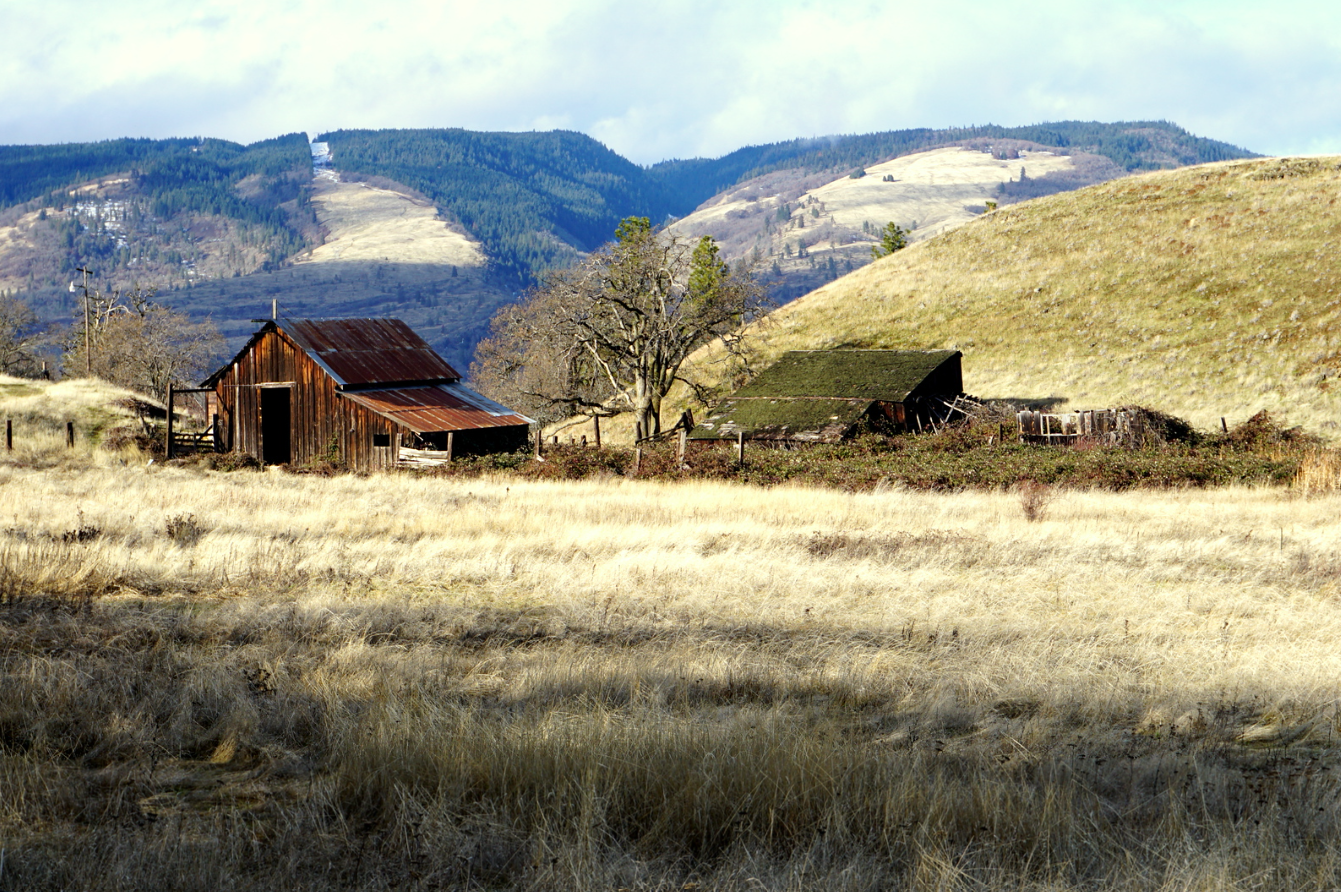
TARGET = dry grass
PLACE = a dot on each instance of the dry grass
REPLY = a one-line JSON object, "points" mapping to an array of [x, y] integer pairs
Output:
{"points": [[1204, 292], [1319, 474], [39, 411], [403, 682], [365, 223]]}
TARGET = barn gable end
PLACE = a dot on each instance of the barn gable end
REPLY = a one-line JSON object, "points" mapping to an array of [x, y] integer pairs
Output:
{"points": [[352, 389]]}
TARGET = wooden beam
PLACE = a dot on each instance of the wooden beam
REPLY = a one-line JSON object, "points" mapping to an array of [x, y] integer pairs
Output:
{"points": [[167, 445]]}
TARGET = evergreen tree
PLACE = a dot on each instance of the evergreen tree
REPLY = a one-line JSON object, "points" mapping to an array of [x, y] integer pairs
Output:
{"points": [[892, 238]]}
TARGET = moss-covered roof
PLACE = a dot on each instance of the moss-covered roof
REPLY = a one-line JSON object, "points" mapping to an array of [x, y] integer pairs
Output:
{"points": [[820, 395], [815, 420], [889, 375]]}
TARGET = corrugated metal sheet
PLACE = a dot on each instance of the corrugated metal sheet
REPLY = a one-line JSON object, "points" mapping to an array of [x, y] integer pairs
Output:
{"points": [[445, 407], [360, 352]]}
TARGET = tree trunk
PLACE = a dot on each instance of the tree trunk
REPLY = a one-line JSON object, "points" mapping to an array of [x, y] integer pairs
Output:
{"points": [[644, 407], [654, 413]]}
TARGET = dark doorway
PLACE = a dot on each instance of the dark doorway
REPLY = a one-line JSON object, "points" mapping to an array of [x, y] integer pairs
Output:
{"points": [[275, 425]]}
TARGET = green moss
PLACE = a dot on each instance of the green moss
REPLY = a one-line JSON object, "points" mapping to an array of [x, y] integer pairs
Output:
{"points": [[889, 375], [811, 418]]}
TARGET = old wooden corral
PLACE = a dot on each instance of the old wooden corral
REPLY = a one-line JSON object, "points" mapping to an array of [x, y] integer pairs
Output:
{"points": [[824, 396], [1128, 427], [358, 391]]}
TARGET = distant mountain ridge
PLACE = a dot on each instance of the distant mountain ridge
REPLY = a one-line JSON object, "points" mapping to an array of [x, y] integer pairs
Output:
{"points": [[1132, 145], [222, 228], [536, 199]]}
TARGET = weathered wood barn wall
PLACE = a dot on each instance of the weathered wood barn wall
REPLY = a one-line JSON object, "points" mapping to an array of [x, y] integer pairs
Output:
{"points": [[352, 390]]}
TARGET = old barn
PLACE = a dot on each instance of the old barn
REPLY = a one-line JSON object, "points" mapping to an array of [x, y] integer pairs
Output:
{"points": [[824, 396], [356, 390]]}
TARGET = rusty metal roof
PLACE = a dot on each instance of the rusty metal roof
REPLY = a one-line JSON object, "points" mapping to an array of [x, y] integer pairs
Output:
{"points": [[444, 407], [361, 352]]}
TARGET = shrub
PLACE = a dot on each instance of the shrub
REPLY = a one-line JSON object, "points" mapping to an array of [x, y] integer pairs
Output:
{"points": [[184, 530], [1034, 498]]}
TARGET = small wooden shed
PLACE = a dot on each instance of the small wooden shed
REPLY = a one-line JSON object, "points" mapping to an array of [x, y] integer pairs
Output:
{"points": [[353, 389], [824, 396]]}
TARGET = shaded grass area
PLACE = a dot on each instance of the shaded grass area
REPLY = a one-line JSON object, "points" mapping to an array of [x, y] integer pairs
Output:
{"points": [[271, 680], [258, 744]]}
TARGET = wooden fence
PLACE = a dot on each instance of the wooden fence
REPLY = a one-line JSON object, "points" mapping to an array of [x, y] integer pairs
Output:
{"points": [[1109, 427]]}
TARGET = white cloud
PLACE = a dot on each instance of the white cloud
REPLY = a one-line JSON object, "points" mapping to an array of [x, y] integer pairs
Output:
{"points": [[666, 79]]}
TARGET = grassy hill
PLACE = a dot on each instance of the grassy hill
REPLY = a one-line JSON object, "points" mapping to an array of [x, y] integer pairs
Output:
{"points": [[802, 230], [1206, 292]]}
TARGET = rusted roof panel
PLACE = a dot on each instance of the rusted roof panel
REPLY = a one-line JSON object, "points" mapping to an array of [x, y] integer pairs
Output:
{"points": [[359, 352], [444, 407]]}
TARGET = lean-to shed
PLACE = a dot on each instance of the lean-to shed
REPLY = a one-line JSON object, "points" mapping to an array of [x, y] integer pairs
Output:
{"points": [[353, 389], [823, 396]]}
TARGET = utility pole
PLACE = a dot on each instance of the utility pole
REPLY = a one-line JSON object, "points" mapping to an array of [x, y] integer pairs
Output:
{"points": [[88, 322]]}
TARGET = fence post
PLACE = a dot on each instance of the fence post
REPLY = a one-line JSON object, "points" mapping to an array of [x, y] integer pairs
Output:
{"points": [[9, 434], [596, 425], [539, 441], [167, 445], [740, 449], [69, 435], [218, 435], [450, 444], [637, 461], [684, 440]]}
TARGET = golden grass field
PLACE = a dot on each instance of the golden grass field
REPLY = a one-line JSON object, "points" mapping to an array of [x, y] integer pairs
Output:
{"points": [[1205, 292], [262, 680]]}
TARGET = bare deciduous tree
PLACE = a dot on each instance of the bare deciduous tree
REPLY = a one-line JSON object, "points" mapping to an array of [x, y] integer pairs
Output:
{"points": [[18, 337], [611, 334], [141, 344]]}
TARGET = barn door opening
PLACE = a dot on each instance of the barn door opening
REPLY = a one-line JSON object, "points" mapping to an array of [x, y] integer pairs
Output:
{"points": [[275, 424]]}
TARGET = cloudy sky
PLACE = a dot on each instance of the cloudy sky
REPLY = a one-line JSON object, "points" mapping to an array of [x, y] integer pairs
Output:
{"points": [[676, 78]]}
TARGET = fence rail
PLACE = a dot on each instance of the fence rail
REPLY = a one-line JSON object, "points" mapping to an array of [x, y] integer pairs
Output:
{"points": [[1110, 427]]}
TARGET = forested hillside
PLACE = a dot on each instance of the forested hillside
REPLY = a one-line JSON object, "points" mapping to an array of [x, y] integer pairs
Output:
{"points": [[1133, 145], [161, 213], [536, 199], [28, 172], [533, 199]]}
